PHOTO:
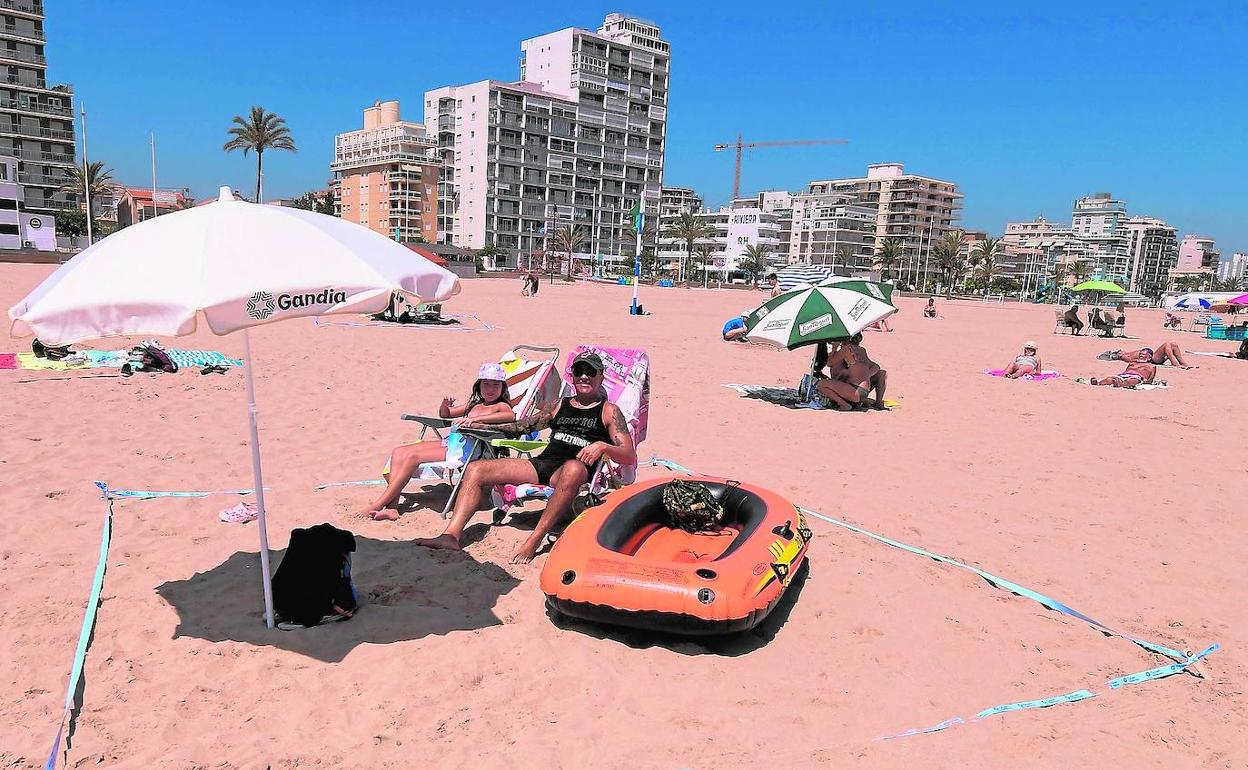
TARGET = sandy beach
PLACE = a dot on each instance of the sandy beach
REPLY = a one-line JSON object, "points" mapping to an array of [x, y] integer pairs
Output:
{"points": [[1121, 504]]}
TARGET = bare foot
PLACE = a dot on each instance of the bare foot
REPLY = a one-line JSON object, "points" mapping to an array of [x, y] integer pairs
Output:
{"points": [[439, 543], [880, 405], [385, 514]]}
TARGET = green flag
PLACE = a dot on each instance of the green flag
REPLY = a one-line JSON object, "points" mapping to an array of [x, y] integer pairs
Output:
{"points": [[639, 219]]}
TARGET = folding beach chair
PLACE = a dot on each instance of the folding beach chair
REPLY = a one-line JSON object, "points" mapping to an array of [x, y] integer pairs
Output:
{"points": [[627, 382], [533, 382]]}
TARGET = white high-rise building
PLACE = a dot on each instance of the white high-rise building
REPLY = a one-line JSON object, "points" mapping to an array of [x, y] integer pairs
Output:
{"points": [[1153, 251], [1097, 221], [831, 228], [576, 142], [1234, 268]]}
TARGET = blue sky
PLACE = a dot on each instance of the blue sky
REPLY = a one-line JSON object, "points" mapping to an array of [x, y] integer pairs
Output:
{"points": [[1025, 106]]}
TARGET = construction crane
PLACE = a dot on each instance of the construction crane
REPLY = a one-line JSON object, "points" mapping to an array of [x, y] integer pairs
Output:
{"points": [[739, 146]]}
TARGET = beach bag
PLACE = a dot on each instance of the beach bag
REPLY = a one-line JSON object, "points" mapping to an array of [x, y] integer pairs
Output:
{"points": [[1242, 353], [690, 505], [315, 575]]}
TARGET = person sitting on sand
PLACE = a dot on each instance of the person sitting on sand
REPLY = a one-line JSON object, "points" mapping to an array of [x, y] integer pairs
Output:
{"points": [[1173, 321], [735, 328], [929, 311], [851, 375], [1135, 375], [1071, 317], [1026, 363], [773, 283], [489, 403], [584, 429], [1103, 321], [1163, 354]]}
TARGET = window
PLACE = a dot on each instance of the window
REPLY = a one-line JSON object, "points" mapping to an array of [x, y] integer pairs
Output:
{"points": [[8, 203], [9, 230]]}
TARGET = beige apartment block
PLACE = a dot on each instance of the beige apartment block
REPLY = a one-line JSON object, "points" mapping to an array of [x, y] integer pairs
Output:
{"points": [[386, 176]]}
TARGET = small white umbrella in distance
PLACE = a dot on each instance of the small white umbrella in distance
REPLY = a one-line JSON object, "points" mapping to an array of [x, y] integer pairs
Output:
{"points": [[834, 310], [238, 265]]}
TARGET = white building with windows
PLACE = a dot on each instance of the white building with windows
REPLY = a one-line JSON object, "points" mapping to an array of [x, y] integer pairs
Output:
{"points": [[832, 228], [577, 141], [1233, 269]]}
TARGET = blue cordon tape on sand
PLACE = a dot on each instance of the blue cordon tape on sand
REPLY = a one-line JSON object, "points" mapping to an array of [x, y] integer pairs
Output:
{"points": [[1181, 664], [88, 623], [144, 494], [364, 483]]}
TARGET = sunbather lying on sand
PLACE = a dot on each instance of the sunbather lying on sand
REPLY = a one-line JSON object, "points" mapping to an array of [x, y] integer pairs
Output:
{"points": [[490, 403], [584, 429], [1026, 363], [1136, 374], [1165, 353]]}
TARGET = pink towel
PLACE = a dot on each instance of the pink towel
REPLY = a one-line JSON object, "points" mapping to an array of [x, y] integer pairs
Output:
{"points": [[8, 360], [1047, 374]]}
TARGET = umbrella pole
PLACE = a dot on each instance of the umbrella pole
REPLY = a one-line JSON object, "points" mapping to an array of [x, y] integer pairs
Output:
{"points": [[248, 365]]}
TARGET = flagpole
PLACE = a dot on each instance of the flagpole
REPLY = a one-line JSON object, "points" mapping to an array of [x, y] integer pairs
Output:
{"points": [[154, 175], [86, 171], [639, 225]]}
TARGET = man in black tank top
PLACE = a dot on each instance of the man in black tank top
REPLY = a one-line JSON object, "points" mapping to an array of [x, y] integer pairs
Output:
{"points": [[584, 429]]}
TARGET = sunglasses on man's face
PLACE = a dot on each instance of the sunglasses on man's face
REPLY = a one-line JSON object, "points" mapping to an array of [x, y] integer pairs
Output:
{"points": [[584, 370]]}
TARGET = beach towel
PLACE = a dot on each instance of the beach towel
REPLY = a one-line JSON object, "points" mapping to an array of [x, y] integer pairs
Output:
{"points": [[197, 358], [1159, 385], [1187, 353], [106, 359], [31, 361], [1047, 374], [8, 360], [789, 398]]}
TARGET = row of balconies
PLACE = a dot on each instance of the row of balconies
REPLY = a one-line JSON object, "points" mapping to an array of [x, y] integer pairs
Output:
{"points": [[25, 57], [33, 7], [38, 83], [36, 132]]}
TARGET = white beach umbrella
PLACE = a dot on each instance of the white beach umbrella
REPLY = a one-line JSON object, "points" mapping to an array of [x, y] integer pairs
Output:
{"points": [[238, 265]]}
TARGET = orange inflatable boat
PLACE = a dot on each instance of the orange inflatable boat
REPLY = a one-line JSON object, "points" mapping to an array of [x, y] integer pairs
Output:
{"points": [[618, 564]]}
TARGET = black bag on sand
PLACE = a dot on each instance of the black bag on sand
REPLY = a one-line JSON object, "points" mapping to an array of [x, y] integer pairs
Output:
{"points": [[692, 507], [315, 575]]}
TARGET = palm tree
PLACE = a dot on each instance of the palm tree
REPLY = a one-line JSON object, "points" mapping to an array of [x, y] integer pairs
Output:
{"points": [[98, 181], [754, 261], [1081, 269], [704, 252], [984, 257], [490, 251], [846, 256], [950, 255], [258, 132], [568, 239], [890, 253], [689, 229]]}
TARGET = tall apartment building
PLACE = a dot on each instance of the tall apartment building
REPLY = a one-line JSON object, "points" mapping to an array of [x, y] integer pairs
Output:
{"points": [[1097, 221], [36, 120], [1233, 269], [1033, 249], [576, 142], [916, 210], [1152, 252], [674, 201], [386, 176], [831, 228]]}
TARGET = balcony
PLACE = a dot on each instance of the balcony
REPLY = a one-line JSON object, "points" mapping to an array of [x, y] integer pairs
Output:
{"points": [[44, 157], [32, 7], [39, 180], [22, 56], [35, 132], [35, 107], [31, 36]]}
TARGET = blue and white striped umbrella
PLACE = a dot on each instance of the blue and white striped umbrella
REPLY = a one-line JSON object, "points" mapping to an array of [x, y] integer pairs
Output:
{"points": [[1191, 302], [798, 276]]}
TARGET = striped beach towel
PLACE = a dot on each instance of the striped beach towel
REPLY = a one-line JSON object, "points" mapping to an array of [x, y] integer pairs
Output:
{"points": [[193, 358]]}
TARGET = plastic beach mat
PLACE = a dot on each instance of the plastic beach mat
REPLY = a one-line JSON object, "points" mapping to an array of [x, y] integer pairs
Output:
{"points": [[1047, 374]]}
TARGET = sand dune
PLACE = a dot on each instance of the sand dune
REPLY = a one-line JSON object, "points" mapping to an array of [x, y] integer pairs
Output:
{"points": [[1122, 504]]}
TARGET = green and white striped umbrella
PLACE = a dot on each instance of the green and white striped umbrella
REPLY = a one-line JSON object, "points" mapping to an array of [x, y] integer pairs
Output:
{"points": [[834, 310]]}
